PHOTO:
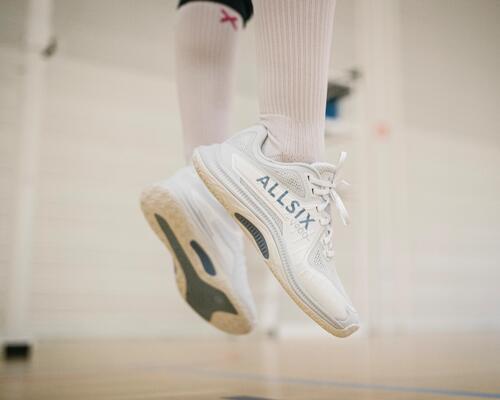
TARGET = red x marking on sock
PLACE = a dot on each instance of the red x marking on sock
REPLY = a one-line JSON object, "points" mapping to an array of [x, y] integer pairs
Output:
{"points": [[233, 20]]}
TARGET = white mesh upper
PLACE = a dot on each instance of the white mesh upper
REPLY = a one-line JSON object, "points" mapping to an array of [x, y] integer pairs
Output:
{"points": [[318, 260], [288, 178], [242, 141]]}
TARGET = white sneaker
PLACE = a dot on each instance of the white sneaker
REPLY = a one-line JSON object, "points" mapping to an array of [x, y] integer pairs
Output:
{"points": [[285, 208], [207, 249]]}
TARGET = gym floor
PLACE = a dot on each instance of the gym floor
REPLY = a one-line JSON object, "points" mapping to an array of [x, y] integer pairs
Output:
{"points": [[403, 367]]}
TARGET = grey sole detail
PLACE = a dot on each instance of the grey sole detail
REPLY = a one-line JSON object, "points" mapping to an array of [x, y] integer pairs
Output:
{"points": [[257, 235], [208, 266], [202, 297]]}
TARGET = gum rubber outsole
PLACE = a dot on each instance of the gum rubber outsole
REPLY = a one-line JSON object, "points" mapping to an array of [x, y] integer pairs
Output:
{"points": [[164, 212], [233, 207]]}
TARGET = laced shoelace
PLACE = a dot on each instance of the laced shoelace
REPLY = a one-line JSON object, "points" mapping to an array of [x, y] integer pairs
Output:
{"points": [[326, 190]]}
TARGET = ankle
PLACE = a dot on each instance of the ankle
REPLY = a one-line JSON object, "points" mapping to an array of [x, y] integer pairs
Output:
{"points": [[293, 141]]}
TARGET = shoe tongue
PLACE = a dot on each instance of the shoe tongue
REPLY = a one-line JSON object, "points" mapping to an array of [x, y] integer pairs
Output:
{"points": [[326, 171]]}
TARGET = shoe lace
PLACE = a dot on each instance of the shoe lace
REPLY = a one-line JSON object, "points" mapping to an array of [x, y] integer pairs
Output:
{"points": [[326, 191]]}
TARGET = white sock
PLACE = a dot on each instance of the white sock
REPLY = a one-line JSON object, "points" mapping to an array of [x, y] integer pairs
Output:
{"points": [[205, 43], [293, 40]]}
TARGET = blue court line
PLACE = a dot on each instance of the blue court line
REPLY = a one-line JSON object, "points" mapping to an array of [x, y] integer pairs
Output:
{"points": [[348, 385]]}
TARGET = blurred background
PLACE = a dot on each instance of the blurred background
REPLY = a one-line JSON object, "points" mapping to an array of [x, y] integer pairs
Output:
{"points": [[88, 117]]}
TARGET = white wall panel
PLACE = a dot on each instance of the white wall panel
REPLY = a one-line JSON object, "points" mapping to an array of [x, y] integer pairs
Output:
{"points": [[12, 16], [451, 93], [10, 83], [454, 186]]}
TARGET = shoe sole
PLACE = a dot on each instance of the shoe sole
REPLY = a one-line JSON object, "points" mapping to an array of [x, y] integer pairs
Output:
{"points": [[258, 234], [204, 287]]}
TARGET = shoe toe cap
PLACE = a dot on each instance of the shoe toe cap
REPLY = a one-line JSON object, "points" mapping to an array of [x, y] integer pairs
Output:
{"points": [[332, 303]]}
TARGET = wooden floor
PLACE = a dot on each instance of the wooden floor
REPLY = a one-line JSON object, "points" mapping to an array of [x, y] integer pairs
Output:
{"points": [[424, 367]]}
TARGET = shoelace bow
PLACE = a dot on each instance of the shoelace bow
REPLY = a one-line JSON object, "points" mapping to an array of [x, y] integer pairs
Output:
{"points": [[326, 189]]}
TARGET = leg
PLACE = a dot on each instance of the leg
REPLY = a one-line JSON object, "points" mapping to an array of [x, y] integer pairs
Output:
{"points": [[206, 35], [205, 244], [293, 48], [285, 206]]}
